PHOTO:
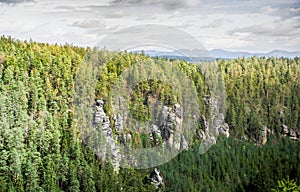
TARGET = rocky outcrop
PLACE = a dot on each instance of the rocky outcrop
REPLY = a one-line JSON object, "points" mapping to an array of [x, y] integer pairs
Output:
{"points": [[287, 132], [206, 136], [118, 123], [155, 135], [128, 138], [156, 178], [165, 128], [183, 143], [169, 127], [211, 133], [102, 123], [264, 135], [293, 134], [211, 128], [224, 130]]}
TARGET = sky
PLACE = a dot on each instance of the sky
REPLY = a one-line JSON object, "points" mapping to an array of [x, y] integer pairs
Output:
{"points": [[236, 25]]}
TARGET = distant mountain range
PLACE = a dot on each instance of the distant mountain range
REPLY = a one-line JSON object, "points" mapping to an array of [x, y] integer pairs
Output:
{"points": [[219, 53], [181, 54], [202, 55]]}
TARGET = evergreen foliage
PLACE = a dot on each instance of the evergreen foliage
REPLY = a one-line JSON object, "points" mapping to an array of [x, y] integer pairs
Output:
{"points": [[41, 149]]}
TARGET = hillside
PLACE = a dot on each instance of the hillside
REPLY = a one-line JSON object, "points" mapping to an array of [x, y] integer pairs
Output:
{"points": [[41, 138]]}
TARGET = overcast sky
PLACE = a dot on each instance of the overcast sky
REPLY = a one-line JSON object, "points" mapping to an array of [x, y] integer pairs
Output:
{"points": [[238, 25]]}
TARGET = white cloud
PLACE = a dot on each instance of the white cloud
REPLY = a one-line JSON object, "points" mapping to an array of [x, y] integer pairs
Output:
{"points": [[91, 23], [165, 3], [269, 9], [232, 25]]}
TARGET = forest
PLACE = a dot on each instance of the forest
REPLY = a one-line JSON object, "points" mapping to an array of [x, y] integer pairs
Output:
{"points": [[41, 148]]}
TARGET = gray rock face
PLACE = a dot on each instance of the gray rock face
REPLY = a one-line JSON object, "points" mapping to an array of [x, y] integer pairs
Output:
{"points": [[102, 122], [264, 135], [211, 129], [264, 131], [128, 138], [183, 144], [100, 118], [171, 128], [156, 178], [99, 112], [244, 137], [210, 132], [224, 130], [206, 136], [178, 110], [269, 131], [165, 129], [118, 123], [287, 132], [155, 134], [293, 134]]}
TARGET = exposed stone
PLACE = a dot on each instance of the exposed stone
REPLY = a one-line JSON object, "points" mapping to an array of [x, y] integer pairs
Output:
{"points": [[169, 124], [206, 99], [155, 134], [270, 131], [178, 110], [167, 127], [210, 132], [285, 130], [224, 130], [293, 134], [264, 134], [183, 144], [156, 178], [128, 138], [264, 131], [244, 137], [205, 123], [282, 115], [99, 114], [176, 137], [118, 123], [102, 122]]}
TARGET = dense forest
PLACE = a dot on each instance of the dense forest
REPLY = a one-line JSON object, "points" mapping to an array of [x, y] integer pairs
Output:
{"points": [[41, 147]]}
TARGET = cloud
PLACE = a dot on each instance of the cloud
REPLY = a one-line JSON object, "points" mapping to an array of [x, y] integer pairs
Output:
{"points": [[234, 24], [279, 30], [284, 10], [217, 23], [165, 3], [115, 14], [16, 1], [269, 9], [87, 24]]}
